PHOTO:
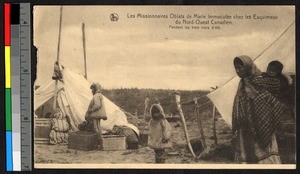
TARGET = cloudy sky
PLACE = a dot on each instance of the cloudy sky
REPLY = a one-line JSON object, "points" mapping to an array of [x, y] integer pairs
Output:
{"points": [[146, 53]]}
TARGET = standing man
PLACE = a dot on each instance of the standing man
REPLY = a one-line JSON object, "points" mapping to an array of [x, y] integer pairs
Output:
{"points": [[96, 111]]}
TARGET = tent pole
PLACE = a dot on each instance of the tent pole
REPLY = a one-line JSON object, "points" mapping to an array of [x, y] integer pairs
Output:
{"points": [[57, 56], [199, 122], [147, 100], [214, 120], [214, 125], [84, 51], [177, 98]]}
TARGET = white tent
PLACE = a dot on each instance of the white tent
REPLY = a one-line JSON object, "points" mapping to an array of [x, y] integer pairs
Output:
{"points": [[283, 50], [73, 98]]}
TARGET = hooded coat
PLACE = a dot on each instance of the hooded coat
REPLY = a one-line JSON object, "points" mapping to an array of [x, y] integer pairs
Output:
{"points": [[159, 130], [96, 105], [255, 108], [256, 116]]}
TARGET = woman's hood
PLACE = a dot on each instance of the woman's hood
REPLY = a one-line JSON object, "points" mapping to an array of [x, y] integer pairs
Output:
{"points": [[249, 65]]}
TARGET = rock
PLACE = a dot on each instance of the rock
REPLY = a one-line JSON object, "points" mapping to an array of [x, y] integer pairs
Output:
{"points": [[175, 153]]}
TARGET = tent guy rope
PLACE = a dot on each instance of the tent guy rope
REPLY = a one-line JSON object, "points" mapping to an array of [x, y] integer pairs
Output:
{"points": [[265, 48], [191, 101]]}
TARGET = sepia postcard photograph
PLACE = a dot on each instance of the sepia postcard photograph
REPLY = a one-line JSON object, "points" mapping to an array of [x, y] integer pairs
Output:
{"points": [[173, 87]]}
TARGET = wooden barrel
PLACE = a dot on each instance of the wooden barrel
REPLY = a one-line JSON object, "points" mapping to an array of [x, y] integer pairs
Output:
{"points": [[42, 128]]}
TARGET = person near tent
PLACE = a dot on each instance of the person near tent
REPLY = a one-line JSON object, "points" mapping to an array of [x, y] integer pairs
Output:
{"points": [[57, 74], [96, 111], [60, 127], [159, 132], [256, 115]]}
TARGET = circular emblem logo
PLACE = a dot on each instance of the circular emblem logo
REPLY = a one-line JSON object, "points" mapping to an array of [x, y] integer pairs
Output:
{"points": [[114, 17]]}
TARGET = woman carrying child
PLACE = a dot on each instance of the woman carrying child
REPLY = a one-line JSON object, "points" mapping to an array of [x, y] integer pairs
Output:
{"points": [[256, 115]]}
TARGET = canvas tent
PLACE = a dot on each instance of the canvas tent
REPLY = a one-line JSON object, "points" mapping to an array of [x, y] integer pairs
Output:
{"points": [[73, 98], [283, 49]]}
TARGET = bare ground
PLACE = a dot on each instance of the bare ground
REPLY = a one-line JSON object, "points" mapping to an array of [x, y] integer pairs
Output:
{"points": [[178, 154]]}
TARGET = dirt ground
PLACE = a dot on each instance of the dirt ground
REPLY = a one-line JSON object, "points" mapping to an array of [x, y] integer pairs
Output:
{"points": [[177, 154], [220, 154]]}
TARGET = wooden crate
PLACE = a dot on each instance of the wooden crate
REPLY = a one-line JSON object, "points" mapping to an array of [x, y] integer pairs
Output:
{"points": [[41, 140], [82, 140], [42, 128], [114, 142]]}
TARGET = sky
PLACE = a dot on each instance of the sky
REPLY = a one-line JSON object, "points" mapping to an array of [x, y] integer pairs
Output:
{"points": [[146, 53]]}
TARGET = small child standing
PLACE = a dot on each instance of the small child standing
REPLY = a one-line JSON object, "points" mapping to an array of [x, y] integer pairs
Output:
{"points": [[159, 132]]}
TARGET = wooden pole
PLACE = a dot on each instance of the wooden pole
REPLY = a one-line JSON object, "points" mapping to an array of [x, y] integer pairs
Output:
{"points": [[214, 120], [84, 50], [199, 123], [57, 54], [147, 101], [59, 34], [177, 98], [214, 125]]}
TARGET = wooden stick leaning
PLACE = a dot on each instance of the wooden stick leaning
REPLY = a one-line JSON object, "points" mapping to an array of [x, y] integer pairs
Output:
{"points": [[177, 98]]}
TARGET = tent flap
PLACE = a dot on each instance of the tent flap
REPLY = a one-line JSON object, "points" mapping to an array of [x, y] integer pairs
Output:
{"points": [[74, 97]]}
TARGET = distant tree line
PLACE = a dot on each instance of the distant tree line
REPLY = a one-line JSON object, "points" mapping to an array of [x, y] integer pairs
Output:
{"points": [[133, 99]]}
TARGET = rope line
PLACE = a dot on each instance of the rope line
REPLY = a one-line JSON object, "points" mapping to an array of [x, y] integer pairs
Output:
{"points": [[199, 106], [265, 49], [186, 102], [204, 96], [189, 101], [128, 113], [275, 40]]}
